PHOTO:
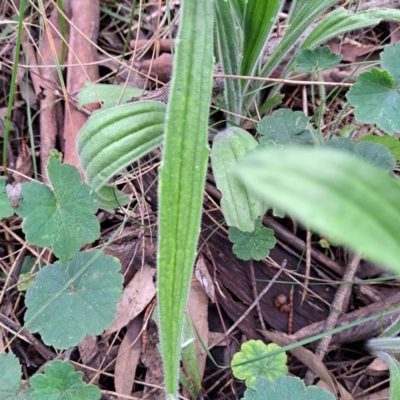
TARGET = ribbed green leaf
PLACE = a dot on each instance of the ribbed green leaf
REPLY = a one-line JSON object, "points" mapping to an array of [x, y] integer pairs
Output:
{"points": [[239, 207], [115, 138], [229, 42], [334, 193], [182, 175], [259, 19]]}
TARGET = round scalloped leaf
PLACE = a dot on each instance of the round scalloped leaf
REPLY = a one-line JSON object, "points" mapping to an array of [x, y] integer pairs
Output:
{"points": [[269, 367], [391, 143], [319, 59], [63, 219], [285, 126], [285, 388], [377, 155], [10, 376], [80, 297], [376, 99], [390, 59], [5, 206], [61, 381], [255, 245], [374, 153]]}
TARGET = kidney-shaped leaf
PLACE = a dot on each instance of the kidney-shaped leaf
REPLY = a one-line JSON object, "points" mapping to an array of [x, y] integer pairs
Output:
{"points": [[270, 367], [239, 207], [334, 193], [61, 381], [117, 137], [79, 297], [319, 59], [285, 387], [255, 245], [64, 218], [285, 126]]}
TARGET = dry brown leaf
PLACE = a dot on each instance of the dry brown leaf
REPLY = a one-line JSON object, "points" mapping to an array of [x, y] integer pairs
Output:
{"points": [[137, 295], [310, 360], [377, 367], [128, 358], [198, 310]]}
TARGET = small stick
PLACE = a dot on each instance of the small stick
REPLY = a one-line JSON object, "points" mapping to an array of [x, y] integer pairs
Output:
{"points": [[254, 286], [341, 296]]}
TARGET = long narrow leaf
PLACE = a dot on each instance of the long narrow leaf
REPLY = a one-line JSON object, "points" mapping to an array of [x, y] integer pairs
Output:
{"points": [[334, 193], [259, 19], [182, 175], [307, 15], [228, 41]]}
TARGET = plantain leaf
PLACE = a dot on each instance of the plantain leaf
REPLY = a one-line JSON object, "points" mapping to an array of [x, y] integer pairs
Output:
{"points": [[259, 19], [228, 35], [334, 193], [182, 175], [239, 207], [117, 137]]}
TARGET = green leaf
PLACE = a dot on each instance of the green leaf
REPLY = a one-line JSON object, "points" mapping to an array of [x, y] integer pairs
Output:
{"points": [[390, 58], [182, 175], [270, 367], [259, 19], [391, 143], [285, 388], [109, 95], [255, 245], [117, 137], [285, 126], [10, 377], [191, 379], [68, 301], [228, 35], [394, 366], [299, 25], [60, 381], [334, 193], [319, 59], [377, 155], [376, 99], [111, 198], [5, 206], [239, 207], [376, 94], [373, 153], [63, 219]]}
